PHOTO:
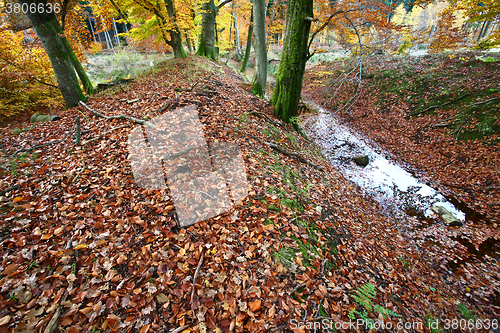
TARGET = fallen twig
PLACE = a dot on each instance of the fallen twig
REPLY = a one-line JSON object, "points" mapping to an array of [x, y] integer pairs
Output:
{"points": [[483, 102], [187, 89], [195, 276], [280, 149], [121, 116], [83, 168], [177, 330], [8, 189], [78, 131], [52, 325]]}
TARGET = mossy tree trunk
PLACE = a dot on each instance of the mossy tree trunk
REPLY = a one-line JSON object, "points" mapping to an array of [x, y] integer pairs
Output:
{"points": [[260, 78], [87, 84], [206, 47], [51, 35], [288, 86]]}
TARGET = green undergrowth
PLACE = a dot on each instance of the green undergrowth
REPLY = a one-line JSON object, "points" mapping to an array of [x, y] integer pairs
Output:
{"points": [[462, 92]]}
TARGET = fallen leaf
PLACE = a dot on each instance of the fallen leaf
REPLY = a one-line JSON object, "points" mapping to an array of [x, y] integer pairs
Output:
{"points": [[80, 246], [5, 320], [254, 306], [9, 269]]}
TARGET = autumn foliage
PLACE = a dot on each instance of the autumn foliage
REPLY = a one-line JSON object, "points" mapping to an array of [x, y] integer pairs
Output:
{"points": [[27, 80]]}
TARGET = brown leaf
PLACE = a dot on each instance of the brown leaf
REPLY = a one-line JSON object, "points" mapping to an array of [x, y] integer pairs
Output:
{"points": [[254, 306], [10, 268], [145, 328]]}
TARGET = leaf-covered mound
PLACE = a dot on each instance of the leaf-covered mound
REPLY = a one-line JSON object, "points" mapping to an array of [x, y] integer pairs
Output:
{"points": [[81, 242]]}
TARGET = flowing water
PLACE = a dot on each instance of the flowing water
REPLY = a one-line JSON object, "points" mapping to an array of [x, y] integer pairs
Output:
{"points": [[393, 187]]}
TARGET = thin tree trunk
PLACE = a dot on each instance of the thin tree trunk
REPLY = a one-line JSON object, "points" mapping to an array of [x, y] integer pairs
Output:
{"points": [[260, 78], [249, 45], [92, 28], [49, 31], [486, 30], [230, 35], [237, 37], [288, 86], [116, 34], [480, 32]]}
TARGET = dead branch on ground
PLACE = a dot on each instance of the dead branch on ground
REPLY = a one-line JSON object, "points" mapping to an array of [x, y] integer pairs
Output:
{"points": [[279, 149], [121, 116]]}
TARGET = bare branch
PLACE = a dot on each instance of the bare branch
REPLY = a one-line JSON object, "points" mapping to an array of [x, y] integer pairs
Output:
{"points": [[323, 26], [223, 3]]}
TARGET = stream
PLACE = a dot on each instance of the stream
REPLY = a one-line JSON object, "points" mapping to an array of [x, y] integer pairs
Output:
{"points": [[398, 192], [394, 188]]}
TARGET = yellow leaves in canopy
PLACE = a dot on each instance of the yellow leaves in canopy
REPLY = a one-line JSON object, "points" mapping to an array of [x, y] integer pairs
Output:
{"points": [[26, 76]]}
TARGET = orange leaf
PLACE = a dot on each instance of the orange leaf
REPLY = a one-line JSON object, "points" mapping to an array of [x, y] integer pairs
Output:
{"points": [[254, 306], [17, 199], [66, 321], [145, 328]]}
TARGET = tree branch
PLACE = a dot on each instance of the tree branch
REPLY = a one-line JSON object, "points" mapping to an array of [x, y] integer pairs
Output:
{"points": [[223, 3], [437, 106], [323, 26], [121, 116], [279, 148]]}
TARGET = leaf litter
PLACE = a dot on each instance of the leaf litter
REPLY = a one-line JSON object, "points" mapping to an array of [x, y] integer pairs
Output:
{"points": [[296, 248]]}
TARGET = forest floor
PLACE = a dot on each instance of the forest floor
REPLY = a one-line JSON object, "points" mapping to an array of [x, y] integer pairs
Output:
{"points": [[82, 243]]}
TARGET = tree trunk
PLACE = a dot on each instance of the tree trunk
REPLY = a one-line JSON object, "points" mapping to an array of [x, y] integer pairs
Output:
{"points": [[259, 15], [206, 47], [237, 36], [249, 45], [293, 60], [52, 37], [175, 33], [485, 30], [87, 84]]}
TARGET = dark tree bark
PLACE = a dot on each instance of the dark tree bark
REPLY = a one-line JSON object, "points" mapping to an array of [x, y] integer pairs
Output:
{"points": [[51, 35], [260, 78], [288, 86], [206, 47]]}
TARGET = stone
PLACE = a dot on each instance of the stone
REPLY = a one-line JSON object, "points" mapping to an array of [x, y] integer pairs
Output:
{"points": [[41, 118], [361, 160], [446, 216]]}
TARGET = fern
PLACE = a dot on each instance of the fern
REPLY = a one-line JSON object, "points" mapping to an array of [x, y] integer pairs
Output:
{"points": [[365, 295]]}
